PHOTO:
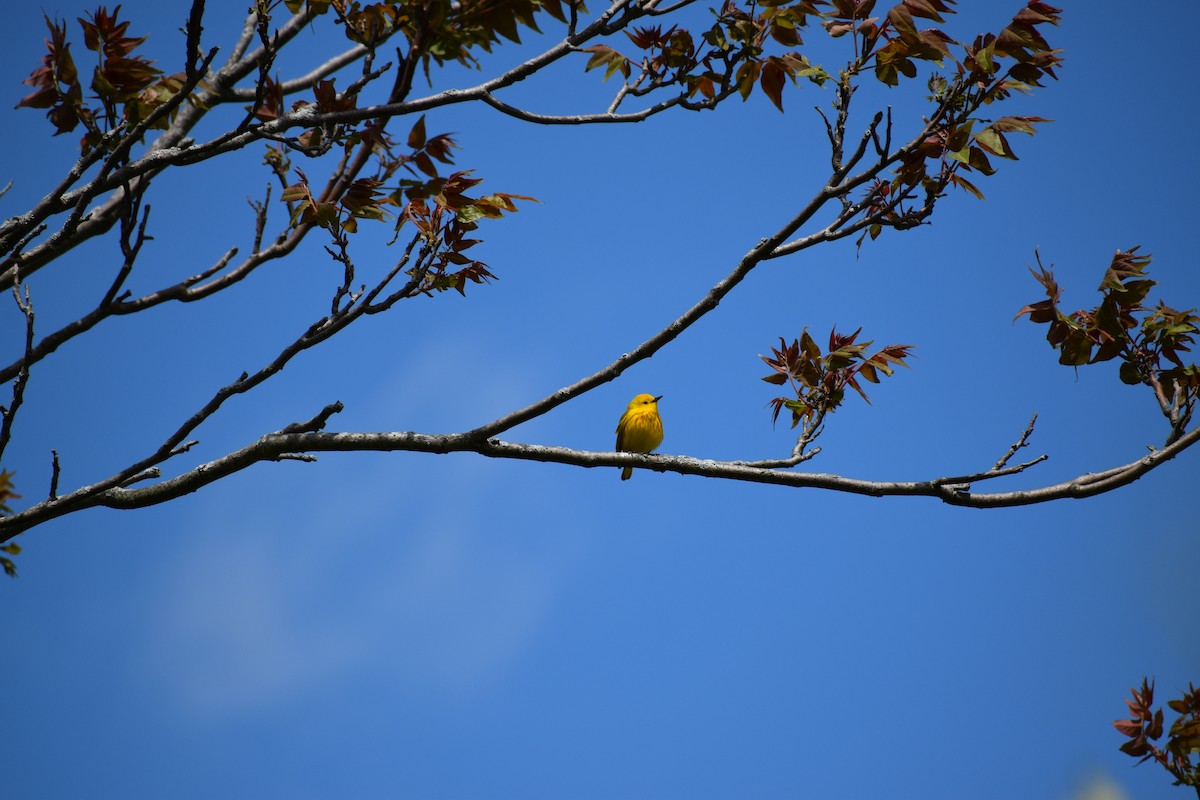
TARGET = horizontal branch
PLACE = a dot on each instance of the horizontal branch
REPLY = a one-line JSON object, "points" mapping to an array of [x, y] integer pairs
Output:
{"points": [[580, 119], [287, 446]]}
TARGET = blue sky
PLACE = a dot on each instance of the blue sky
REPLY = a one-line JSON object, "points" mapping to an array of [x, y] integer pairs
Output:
{"points": [[406, 625]]}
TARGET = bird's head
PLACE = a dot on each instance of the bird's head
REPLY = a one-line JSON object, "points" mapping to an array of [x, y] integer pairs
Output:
{"points": [[644, 400]]}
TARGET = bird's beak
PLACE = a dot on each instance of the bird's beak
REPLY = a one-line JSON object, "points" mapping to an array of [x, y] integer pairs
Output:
{"points": [[660, 397]]}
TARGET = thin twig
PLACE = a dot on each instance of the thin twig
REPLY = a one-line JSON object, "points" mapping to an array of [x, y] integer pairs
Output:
{"points": [[194, 28], [318, 422], [1023, 441], [9, 413], [55, 471]]}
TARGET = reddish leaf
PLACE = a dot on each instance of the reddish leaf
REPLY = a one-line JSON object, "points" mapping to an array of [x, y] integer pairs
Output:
{"points": [[1128, 727], [772, 81]]}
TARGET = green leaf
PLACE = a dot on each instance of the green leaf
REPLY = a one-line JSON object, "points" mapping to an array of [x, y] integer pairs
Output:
{"points": [[470, 213], [297, 191], [985, 58], [993, 142], [1129, 373], [746, 76], [1076, 350], [1133, 292], [960, 136], [978, 160]]}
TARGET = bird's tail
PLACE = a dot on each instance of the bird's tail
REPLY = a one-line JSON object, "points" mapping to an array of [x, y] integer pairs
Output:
{"points": [[626, 473]]}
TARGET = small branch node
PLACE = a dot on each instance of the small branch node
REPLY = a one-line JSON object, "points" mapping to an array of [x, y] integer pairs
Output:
{"points": [[183, 448], [145, 475], [1023, 441], [316, 423], [308, 457], [55, 471]]}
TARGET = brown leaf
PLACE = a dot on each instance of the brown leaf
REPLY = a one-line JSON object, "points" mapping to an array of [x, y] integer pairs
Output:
{"points": [[772, 81], [416, 136]]}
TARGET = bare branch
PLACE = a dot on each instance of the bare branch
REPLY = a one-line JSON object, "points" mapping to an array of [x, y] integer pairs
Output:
{"points": [[308, 80], [284, 34], [9, 413], [296, 457], [188, 290], [318, 422], [150, 474], [274, 446], [55, 471], [655, 11], [781, 463], [1021, 442], [809, 431], [771, 247], [131, 201], [260, 219], [243, 42], [193, 28], [581, 119]]}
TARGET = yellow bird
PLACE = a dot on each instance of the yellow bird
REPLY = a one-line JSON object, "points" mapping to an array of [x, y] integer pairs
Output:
{"points": [[640, 429]]}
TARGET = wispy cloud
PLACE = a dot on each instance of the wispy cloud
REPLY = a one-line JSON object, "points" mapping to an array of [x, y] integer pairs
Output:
{"points": [[258, 614]]}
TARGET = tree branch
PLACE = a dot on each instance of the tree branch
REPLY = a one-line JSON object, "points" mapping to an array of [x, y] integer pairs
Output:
{"points": [[307, 81], [288, 443], [886, 205], [580, 119], [768, 248], [171, 149], [9, 413], [190, 289]]}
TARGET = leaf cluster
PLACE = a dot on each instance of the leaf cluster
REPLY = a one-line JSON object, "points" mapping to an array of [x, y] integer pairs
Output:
{"points": [[895, 43], [731, 56], [438, 207], [126, 88], [982, 72], [819, 380], [360, 200], [443, 213], [1149, 341], [1145, 726], [437, 30], [981, 78]]}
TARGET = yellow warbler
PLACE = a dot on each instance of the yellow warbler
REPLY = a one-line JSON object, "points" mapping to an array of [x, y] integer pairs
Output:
{"points": [[640, 429]]}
